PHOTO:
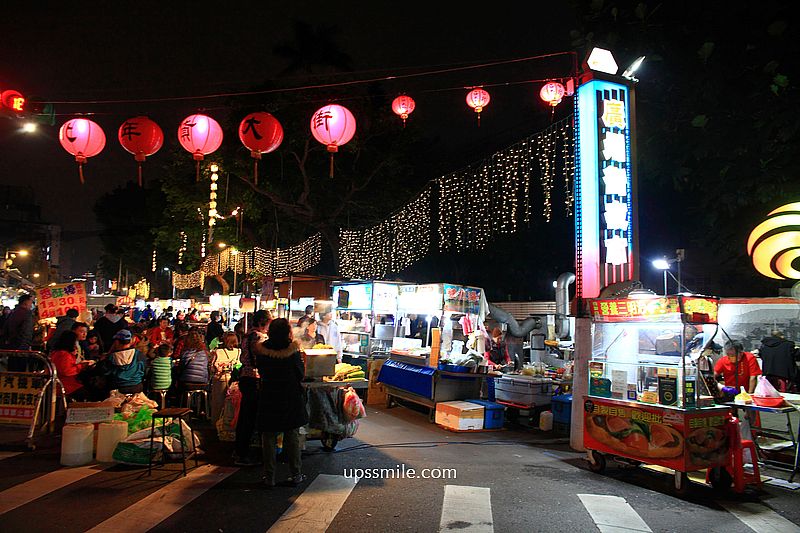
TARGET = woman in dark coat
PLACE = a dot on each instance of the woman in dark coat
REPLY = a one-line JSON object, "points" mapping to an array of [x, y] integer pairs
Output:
{"points": [[281, 400]]}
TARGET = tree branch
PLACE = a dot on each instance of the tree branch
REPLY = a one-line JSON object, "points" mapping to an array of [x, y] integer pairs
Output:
{"points": [[293, 209], [301, 164]]}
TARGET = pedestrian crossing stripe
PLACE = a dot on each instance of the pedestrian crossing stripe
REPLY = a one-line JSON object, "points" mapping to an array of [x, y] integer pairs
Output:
{"points": [[24, 493], [153, 509]]}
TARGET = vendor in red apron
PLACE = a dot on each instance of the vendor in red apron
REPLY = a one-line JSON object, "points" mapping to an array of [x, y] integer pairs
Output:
{"points": [[738, 368]]}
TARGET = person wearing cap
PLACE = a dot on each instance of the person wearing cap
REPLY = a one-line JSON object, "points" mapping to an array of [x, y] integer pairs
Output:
{"points": [[126, 364]]}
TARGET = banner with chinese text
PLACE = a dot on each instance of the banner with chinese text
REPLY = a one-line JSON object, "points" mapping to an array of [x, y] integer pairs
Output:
{"points": [[18, 395], [55, 300]]}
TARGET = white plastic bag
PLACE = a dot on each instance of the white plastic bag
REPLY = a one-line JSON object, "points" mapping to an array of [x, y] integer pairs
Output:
{"points": [[765, 388]]}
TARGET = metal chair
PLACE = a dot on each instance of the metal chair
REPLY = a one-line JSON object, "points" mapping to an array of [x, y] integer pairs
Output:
{"points": [[178, 413]]}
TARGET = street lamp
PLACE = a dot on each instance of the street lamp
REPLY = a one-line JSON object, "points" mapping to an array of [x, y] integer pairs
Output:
{"points": [[662, 264], [222, 245]]}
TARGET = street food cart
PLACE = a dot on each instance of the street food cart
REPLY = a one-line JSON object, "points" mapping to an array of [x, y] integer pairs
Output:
{"points": [[647, 403], [366, 313], [413, 372]]}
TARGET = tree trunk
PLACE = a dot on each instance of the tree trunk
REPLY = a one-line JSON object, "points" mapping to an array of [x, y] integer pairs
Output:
{"points": [[224, 284], [331, 235]]}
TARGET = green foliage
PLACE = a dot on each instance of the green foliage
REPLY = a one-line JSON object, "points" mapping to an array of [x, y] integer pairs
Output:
{"points": [[717, 117]]}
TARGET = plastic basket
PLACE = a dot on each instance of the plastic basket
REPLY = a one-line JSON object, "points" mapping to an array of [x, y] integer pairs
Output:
{"points": [[767, 401]]}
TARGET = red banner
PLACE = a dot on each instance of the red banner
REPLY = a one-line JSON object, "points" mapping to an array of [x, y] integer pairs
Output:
{"points": [[681, 440]]}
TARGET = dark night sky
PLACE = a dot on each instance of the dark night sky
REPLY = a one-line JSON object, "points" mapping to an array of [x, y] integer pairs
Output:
{"points": [[102, 50], [90, 50]]}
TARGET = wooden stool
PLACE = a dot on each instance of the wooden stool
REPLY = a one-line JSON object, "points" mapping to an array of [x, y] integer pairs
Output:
{"points": [[176, 413]]}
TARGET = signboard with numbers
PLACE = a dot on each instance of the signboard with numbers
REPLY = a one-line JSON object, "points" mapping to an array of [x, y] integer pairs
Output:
{"points": [[18, 394], [56, 300]]}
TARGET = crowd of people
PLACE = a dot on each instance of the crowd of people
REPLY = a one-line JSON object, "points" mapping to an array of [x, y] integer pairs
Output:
{"points": [[172, 354]]}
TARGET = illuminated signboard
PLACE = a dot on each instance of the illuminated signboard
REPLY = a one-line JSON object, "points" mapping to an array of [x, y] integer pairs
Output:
{"points": [[774, 244], [605, 241], [696, 309], [13, 101], [623, 310]]}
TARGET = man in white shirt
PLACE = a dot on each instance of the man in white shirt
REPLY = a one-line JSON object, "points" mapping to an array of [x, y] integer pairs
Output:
{"points": [[330, 332]]}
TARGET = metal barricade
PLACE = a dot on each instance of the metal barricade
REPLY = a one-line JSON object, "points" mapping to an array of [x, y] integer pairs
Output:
{"points": [[29, 388]]}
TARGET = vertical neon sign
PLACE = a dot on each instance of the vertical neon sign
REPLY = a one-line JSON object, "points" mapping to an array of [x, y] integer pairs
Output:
{"points": [[605, 243]]}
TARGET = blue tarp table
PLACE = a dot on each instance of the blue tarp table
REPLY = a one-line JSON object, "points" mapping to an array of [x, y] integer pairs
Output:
{"points": [[427, 386]]}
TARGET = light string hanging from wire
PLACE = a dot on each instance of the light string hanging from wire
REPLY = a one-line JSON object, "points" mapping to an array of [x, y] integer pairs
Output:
{"points": [[275, 262], [475, 205], [390, 246]]}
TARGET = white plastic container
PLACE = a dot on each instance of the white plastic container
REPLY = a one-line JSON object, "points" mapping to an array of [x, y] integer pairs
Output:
{"points": [[546, 421], [109, 435], [77, 443]]}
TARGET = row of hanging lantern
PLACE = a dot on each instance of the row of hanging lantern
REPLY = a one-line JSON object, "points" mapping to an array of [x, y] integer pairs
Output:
{"points": [[260, 132]]}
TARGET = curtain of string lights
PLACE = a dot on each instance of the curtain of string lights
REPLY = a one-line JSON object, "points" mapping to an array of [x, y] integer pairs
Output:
{"points": [[391, 246], [276, 263], [474, 205]]}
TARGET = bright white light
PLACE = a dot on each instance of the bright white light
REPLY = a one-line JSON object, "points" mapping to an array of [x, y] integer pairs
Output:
{"points": [[29, 127], [661, 264], [166, 269], [601, 60], [633, 68], [555, 284]]}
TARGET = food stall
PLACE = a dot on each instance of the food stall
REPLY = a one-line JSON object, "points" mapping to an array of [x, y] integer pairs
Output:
{"points": [[646, 402], [366, 314], [420, 369]]}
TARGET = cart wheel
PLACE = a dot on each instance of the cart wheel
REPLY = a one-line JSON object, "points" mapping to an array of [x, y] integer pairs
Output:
{"points": [[389, 402], [329, 442], [681, 482], [720, 478], [597, 464]]}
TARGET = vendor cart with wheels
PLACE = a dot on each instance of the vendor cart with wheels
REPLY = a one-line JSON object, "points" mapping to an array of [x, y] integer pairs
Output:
{"points": [[647, 402], [328, 421]]}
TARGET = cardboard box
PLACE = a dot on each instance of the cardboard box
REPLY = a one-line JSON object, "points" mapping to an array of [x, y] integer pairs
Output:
{"points": [[459, 415], [376, 392]]}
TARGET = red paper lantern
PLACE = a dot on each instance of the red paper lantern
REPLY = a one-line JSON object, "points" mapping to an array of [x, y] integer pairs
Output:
{"points": [[477, 99], [333, 126], [82, 138], [141, 137], [403, 106], [199, 135], [552, 92], [261, 133]]}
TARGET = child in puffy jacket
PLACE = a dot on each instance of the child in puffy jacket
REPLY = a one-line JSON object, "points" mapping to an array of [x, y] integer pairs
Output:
{"points": [[194, 360]]}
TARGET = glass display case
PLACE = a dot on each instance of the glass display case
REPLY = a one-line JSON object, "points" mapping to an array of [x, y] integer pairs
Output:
{"points": [[647, 401], [366, 313]]}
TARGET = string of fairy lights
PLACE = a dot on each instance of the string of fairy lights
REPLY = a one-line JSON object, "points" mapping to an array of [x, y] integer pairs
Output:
{"points": [[390, 246], [474, 206], [276, 263]]}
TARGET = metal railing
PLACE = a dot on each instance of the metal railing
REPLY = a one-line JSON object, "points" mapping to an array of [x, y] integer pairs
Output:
{"points": [[27, 364]]}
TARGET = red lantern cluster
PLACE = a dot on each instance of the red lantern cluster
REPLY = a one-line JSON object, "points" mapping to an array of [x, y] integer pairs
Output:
{"points": [[82, 138], [141, 137], [261, 133]]}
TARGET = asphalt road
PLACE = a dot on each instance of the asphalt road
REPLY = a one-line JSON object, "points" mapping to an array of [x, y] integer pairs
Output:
{"points": [[511, 480]]}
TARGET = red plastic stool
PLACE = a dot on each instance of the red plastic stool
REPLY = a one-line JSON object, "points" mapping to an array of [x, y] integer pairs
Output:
{"points": [[736, 464]]}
